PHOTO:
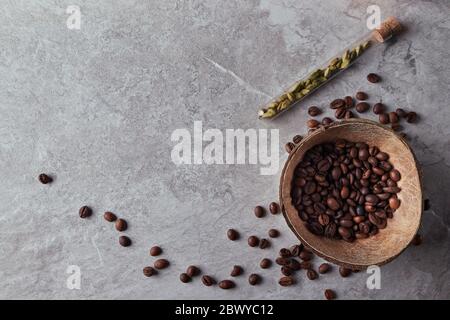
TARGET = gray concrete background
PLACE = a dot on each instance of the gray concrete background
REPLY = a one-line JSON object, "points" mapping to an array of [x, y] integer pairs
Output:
{"points": [[96, 108]]}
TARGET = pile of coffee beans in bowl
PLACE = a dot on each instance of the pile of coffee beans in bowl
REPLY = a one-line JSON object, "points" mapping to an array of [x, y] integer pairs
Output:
{"points": [[345, 190]]}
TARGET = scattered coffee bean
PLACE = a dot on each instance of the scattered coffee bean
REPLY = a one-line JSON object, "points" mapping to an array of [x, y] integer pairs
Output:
{"points": [[373, 78], [121, 225], [149, 271], [306, 255], [259, 211], [295, 250], [226, 284], [305, 265], [232, 234], [155, 251], [383, 118], [340, 113], [361, 96], [208, 280], [396, 127], [426, 205], [254, 279], [44, 179], [109, 216], [400, 112], [324, 268], [411, 117], [237, 271], [265, 263], [344, 272], [329, 294], [282, 261], [274, 233], [312, 123], [274, 208], [193, 271], [124, 241], [348, 114], [362, 107], [85, 212], [378, 108], [314, 111], [417, 240], [311, 274], [294, 264], [349, 102], [253, 241], [296, 139], [264, 243], [393, 117], [336, 104], [289, 147], [286, 281], [161, 264], [285, 253], [184, 277], [286, 271], [327, 121]]}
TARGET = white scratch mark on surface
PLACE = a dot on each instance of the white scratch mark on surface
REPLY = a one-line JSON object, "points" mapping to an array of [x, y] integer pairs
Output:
{"points": [[98, 251]]}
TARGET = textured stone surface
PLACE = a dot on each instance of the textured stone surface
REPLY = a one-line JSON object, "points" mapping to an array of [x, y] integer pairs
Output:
{"points": [[96, 108]]}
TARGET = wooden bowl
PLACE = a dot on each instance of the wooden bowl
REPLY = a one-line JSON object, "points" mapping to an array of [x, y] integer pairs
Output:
{"points": [[389, 242]]}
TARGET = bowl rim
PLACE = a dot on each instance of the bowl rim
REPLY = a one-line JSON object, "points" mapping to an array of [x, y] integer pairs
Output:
{"points": [[322, 130]]}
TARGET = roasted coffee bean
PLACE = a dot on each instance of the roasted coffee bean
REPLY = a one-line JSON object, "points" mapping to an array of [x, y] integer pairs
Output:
{"points": [[336, 104], [329, 294], [349, 102], [274, 233], [121, 225], [378, 108], [324, 268], [237, 271], [344, 272], [161, 264], [297, 138], [155, 251], [274, 208], [395, 175], [226, 284], [294, 265], [295, 250], [232, 234], [285, 253], [324, 219], [348, 114], [417, 240], [310, 187], [345, 232], [340, 113], [264, 243], [289, 147], [286, 271], [330, 230], [327, 121], [286, 281], [124, 241], [311, 274], [315, 228], [259, 211], [149, 271], [333, 204], [362, 107], [394, 202], [44, 179], [184, 277], [373, 78], [306, 255], [253, 241], [281, 261], [193, 271], [384, 118], [109, 216], [314, 111], [361, 95], [400, 112], [208, 280], [85, 212], [411, 117], [312, 123], [254, 279], [265, 263], [393, 117]]}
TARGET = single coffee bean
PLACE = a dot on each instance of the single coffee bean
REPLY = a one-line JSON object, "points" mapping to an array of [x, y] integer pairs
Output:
{"points": [[411, 117], [312, 123], [348, 114], [296, 139], [305, 265], [393, 117], [329, 294], [373, 78], [286, 281], [264, 243], [286, 271], [327, 121], [362, 107], [124, 241], [226, 284], [44, 179], [336, 104], [155, 251], [361, 96], [400, 112], [109, 216], [232, 234], [265, 263], [184, 277], [259, 211], [426, 205], [289, 147], [121, 225], [282, 261], [333, 204], [340, 113], [383, 118], [193, 271], [285, 253], [417, 240], [254, 279], [349, 103], [208, 280], [253, 241], [237, 271], [396, 127], [295, 250], [314, 111], [378, 108], [311, 274], [85, 212], [324, 268], [274, 233], [395, 175], [149, 271], [161, 264], [274, 208], [394, 202], [344, 272], [305, 255], [294, 265]]}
